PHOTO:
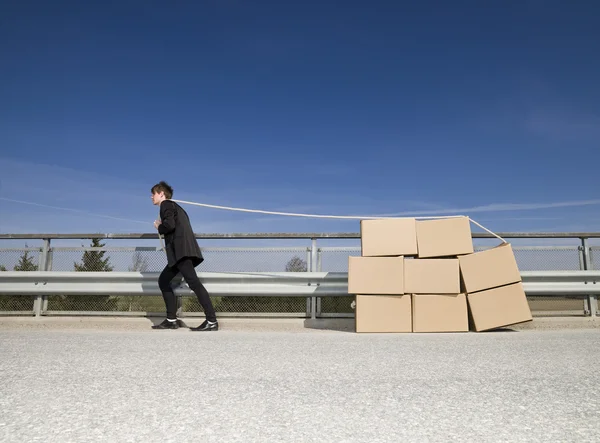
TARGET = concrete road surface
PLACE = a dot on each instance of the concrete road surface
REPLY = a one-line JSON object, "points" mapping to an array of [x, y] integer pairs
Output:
{"points": [[78, 385]]}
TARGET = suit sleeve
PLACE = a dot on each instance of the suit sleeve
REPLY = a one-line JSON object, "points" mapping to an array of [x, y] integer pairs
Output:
{"points": [[167, 215]]}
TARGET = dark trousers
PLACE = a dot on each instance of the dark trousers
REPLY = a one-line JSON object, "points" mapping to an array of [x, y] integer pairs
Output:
{"points": [[188, 272]]}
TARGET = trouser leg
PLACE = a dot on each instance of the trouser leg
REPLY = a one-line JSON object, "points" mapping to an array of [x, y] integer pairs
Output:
{"points": [[164, 283], [189, 274]]}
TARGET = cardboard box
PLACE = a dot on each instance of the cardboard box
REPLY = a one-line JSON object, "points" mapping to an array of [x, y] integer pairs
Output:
{"points": [[444, 237], [383, 313], [431, 276], [498, 307], [376, 275], [388, 237], [489, 269], [440, 313]]}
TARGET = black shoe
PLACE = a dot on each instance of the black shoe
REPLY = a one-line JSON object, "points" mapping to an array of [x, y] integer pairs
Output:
{"points": [[206, 326], [166, 324], [181, 324]]}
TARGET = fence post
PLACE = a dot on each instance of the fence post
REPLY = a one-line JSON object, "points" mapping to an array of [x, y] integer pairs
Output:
{"points": [[591, 301], [313, 268], [41, 300]]}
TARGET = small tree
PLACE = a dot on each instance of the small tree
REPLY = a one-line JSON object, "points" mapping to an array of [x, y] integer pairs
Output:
{"points": [[18, 302], [91, 261], [296, 264], [25, 263]]}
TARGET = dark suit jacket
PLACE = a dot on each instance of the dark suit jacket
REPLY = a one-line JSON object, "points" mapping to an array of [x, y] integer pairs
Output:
{"points": [[180, 241]]}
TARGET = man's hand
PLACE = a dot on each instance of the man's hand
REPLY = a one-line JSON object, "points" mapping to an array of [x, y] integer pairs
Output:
{"points": [[157, 223]]}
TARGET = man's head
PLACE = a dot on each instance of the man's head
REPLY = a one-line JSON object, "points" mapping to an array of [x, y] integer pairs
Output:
{"points": [[161, 191]]}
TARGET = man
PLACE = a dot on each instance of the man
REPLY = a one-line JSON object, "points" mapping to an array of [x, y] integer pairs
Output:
{"points": [[183, 255]]}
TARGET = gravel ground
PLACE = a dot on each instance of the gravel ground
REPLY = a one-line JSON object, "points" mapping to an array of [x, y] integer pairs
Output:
{"points": [[69, 384]]}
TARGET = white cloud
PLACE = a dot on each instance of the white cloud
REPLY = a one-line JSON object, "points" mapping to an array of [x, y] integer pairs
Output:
{"points": [[499, 207], [564, 127], [78, 211]]}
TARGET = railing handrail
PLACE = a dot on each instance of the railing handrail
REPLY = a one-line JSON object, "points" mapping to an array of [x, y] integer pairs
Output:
{"points": [[279, 235]]}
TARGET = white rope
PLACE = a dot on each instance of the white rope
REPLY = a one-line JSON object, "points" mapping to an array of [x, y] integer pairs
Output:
{"points": [[293, 214], [353, 217], [162, 242], [486, 229]]}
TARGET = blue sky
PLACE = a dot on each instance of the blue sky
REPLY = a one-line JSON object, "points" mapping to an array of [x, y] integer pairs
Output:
{"points": [[488, 109]]}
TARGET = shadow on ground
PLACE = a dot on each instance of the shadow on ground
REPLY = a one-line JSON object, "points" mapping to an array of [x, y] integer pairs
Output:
{"points": [[348, 325], [331, 324]]}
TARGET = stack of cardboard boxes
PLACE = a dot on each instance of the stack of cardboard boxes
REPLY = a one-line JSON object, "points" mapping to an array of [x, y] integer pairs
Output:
{"points": [[424, 276]]}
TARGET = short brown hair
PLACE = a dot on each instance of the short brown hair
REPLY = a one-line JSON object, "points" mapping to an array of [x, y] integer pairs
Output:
{"points": [[163, 186]]}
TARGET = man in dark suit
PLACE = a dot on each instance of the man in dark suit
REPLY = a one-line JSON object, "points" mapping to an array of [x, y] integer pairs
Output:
{"points": [[183, 255]]}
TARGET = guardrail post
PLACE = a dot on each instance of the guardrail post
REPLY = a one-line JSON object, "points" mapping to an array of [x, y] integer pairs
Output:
{"points": [[49, 265], [41, 300], [313, 268], [319, 269], [591, 301], [308, 267]]}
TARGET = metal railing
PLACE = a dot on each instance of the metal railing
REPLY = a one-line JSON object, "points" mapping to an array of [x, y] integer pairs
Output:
{"points": [[302, 281]]}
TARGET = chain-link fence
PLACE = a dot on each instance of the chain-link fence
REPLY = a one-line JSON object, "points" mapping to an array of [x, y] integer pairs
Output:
{"points": [[249, 305], [136, 304], [542, 258], [103, 259], [153, 260], [17, 303], [133, 304]]}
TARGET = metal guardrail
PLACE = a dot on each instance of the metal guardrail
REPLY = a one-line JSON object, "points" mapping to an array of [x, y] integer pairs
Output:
{"points": [[556, 283], [296, 284], [289, 284]]}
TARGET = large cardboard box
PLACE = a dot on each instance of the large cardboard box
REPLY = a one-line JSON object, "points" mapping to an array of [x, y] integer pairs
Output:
{"points": [[489, 269], [376, 275], [388, 237], [445, 237], [440, 313], [431, 276], [498, 307], [383, 313]]}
